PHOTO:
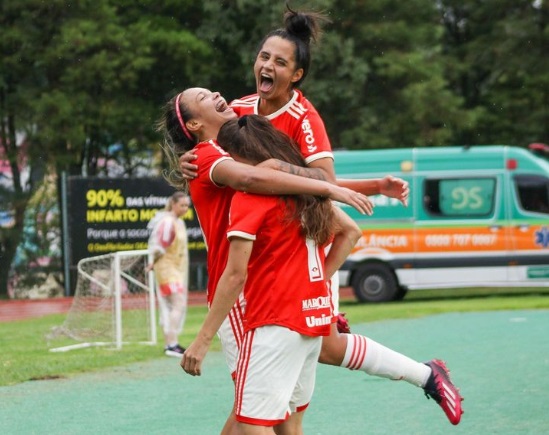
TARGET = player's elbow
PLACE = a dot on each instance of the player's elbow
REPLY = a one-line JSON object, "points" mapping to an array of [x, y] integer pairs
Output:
{"points": [[355, 235], [351, 233], [236, 281], [236, 276]]}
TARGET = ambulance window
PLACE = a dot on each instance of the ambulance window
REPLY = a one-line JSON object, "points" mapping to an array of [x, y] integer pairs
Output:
{"points": [[460, 197], [533, 193]]}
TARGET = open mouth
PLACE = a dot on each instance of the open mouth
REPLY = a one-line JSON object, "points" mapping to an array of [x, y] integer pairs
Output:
{"points": [[221, 106], [265, 83]]}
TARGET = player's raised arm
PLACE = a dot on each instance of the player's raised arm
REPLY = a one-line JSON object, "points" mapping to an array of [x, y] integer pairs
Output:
{"points": [[390, 186], [247, 178]]}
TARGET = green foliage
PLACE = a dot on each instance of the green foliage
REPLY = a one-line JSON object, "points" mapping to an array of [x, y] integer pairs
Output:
{"points": [[496, 53], [78, 78]]}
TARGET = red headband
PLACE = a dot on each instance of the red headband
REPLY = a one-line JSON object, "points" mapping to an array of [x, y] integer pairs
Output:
{"points": [[180, 118]]}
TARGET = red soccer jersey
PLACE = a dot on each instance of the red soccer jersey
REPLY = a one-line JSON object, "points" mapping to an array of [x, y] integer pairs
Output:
{"points": [[286, 283], [212, 203], [298, 119]]}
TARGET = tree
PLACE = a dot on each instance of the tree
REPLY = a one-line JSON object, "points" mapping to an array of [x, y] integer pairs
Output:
{"points": [[389, 88], [496, 52], [77, 78]]}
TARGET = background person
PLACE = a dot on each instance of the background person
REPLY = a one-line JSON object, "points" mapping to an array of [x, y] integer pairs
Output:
{"points": [[169, 249]]}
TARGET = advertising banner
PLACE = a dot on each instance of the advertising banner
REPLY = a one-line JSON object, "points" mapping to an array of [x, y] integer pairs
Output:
{"points": [[106, 215]]}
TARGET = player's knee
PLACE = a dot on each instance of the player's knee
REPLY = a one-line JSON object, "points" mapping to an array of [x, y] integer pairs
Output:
{"points": [[333, 349]]}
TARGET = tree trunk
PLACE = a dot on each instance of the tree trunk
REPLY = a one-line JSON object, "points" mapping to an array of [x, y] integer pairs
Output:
{"points": [[9, 240]]}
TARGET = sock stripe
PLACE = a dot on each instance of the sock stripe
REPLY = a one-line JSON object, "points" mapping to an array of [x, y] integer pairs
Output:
{"points": [[358, 351]]}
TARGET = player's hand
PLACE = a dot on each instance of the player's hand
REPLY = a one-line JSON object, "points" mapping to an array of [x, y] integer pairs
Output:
{"points": [[394, 187], [191, 361], [188, 170], [355, 199]]}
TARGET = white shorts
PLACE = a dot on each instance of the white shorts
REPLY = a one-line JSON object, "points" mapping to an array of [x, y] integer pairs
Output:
{"points": [[231, 333], [276, 374]]}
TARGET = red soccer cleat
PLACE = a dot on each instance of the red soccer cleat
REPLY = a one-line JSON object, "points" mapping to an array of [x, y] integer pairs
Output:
{"points": [[440, 388]]}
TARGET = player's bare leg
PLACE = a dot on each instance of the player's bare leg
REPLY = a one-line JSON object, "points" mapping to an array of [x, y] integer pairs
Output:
{"points": [[333, 347], [292, 426], [251, 429], [230, 425]]}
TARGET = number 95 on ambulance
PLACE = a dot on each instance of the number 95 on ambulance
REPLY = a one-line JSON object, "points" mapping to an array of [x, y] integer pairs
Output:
{"points": [[477, 217]]}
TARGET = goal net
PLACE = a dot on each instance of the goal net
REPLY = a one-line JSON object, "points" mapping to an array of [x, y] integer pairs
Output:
{"points": [[113, 304]]}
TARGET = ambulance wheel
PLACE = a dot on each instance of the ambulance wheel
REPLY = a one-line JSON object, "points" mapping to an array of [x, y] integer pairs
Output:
{"points": [[375, 282]]}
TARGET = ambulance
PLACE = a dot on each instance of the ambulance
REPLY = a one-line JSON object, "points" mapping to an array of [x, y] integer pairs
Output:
{"points": [[477, 216]]}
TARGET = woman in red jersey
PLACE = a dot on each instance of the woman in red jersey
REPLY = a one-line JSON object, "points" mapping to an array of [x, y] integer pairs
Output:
{"points": [[276, 256], [281, 65], [192, 120]]}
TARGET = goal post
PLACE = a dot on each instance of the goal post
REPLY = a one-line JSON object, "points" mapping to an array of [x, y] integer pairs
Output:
{"points": [[114, 304]]}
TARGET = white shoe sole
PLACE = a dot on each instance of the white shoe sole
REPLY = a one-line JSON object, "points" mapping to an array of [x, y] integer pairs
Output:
{"points": [[173, 353]]}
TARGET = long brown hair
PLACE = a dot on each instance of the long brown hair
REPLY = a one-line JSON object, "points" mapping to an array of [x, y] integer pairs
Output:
{"points": [[255, 139]]}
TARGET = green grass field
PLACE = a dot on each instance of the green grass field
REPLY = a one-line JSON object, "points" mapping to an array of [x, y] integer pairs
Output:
{"points": [[25, 354]]}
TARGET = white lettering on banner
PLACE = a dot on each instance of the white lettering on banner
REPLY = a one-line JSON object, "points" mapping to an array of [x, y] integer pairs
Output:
{"points": [[134, 202], [313, 321], [153, 201], [92, 233], [316, 303], [140, 233]]}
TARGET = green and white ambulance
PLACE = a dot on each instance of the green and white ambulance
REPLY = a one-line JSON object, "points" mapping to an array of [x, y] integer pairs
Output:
{"points": [[477, 217]]}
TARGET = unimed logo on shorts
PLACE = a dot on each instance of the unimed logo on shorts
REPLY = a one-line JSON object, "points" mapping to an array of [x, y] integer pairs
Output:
{"points": [[315, 303]]}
